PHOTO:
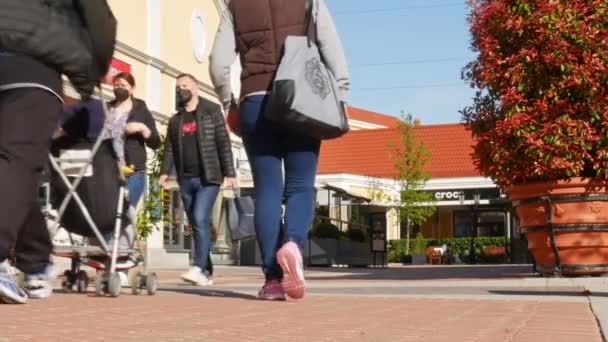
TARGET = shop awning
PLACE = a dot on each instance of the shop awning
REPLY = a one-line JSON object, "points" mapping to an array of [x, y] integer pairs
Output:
{"points": [[345, 193]]}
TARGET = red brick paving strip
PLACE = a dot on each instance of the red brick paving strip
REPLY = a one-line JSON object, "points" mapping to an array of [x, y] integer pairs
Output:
{"points": [[172, 316]]}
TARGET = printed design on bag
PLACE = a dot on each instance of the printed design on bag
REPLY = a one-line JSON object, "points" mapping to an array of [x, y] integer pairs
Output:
{"points": [[315, 78]]}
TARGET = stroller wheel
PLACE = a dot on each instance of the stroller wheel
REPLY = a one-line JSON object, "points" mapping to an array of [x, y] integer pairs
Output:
{"points": [[114, 285], [82, 281], [136, 283], [100, 283], [151, 283], [68, 281]]}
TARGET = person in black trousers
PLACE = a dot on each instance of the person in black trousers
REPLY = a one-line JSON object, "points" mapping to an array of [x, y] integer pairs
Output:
{"points": [[40, 41]]}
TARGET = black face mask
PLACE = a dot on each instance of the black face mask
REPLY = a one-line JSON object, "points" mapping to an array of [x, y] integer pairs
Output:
{"points": [[183, 96], [121, 94]]}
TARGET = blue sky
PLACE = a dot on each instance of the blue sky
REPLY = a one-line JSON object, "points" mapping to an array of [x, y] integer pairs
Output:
{"points": [[428, 42]]}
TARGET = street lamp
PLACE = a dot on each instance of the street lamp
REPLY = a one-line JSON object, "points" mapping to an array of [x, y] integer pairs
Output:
{"points": [[472, 256]]}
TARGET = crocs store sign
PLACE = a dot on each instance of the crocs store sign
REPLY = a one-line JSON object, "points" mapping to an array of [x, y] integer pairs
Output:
{"points": [[448, 195], [116, 67], [466, 194]]}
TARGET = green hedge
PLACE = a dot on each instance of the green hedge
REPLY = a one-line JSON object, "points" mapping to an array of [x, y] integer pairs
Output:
{"points": [[327, 231], [397, 247], [331, 231]]}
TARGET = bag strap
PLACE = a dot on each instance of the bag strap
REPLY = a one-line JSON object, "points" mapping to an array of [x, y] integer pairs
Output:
{"points": [[310, 27]]}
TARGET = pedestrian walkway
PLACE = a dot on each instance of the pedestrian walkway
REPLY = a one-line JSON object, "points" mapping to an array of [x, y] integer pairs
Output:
{"points": [[443, 303]]}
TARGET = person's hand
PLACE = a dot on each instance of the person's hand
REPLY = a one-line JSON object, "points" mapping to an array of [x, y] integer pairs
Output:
{"points": [[230, 183], [133, 128], [234, 106], [164, 182], [59, 132], [232, 118]]}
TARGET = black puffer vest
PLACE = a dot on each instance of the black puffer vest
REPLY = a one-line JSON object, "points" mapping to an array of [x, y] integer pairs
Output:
{"points": [[56, 33]]}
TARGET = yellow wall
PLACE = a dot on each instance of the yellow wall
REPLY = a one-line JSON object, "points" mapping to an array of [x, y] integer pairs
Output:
{"points": [[167, 88], [370, 192], [132, 17], [176, 41]]}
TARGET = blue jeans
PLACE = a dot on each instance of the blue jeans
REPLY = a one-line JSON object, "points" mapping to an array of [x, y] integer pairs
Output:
{"points": [[270, 147], [199, 199], [136, 184]]}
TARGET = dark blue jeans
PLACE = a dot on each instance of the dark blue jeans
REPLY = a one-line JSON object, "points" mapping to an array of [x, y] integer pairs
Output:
{"points": [[136, 184], [270, 147], [199, 199]]}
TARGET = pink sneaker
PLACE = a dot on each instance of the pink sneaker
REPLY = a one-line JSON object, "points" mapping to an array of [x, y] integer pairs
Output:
{"points": [[272, 290], [290, 259]]}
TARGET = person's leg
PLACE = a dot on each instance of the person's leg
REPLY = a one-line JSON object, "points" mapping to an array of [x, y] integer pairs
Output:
{"points": [[28, 118], [209, 265], [188, 192], [265, 155], [300, 172], [199, 200], [136, 184], [32, 253], [203, 204]]}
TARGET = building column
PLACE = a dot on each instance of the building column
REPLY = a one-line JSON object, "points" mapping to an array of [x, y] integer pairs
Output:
{"points": [[155, 239]]}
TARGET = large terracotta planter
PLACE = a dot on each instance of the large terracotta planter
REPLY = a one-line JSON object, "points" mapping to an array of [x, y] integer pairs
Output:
{"points": [[566, 224]]}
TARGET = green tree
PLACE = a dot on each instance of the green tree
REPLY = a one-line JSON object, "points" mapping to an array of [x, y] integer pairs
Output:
{"points": [[150, 213], [410, 157]]}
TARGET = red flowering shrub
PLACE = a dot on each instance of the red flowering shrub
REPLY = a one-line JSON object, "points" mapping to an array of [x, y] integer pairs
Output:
{"points": [[540, 112]]}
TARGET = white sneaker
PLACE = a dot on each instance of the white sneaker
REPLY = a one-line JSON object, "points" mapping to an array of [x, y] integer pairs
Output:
{"points": [[124, 278], [10, 292], [38, 286], [209, 278], [196, 276]]}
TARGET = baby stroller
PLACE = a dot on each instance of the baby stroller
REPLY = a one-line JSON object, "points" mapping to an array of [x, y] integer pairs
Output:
{"points": [[88, 194]]}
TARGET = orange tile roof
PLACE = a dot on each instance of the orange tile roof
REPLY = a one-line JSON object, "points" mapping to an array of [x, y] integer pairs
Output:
{"points": [[359, 114], [368, 152]]}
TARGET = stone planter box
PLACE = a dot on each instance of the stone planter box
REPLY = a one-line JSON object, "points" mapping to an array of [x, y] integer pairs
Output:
{"points": [[250, 254], [317, 252], [419, 259]]}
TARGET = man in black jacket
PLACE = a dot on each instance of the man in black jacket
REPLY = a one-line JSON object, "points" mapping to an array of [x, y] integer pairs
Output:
{"points": [[199, 148], [39, 41]]}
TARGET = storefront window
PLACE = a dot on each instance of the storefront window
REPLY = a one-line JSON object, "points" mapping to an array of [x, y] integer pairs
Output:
{"points": [[414, 229], [491, 223], [463, 224]]}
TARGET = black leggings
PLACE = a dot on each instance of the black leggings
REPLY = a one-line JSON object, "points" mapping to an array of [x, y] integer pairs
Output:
{"points": [[28, 118]]}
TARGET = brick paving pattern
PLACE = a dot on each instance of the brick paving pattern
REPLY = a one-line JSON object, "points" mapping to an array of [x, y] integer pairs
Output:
{"points": [[228, 311]]}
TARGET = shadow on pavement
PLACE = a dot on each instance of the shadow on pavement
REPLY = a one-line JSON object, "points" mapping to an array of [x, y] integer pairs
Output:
{"points": [[573, 293], [423, 272], [208, 292]]}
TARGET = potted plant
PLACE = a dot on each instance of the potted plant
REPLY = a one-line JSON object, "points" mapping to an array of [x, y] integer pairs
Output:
{"points": [[419, 256], [540, 120]]}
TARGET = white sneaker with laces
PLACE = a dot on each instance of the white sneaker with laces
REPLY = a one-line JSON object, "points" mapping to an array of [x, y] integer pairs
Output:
{"points": [[124, 278], [10, 292], [38, 286], [196, 276]]}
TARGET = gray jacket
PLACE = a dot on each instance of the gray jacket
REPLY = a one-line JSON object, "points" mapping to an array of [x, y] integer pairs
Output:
{"points": [[224, 53]]}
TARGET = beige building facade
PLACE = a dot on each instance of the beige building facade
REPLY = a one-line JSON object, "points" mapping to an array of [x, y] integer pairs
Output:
{"points": [[158, 40]]}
